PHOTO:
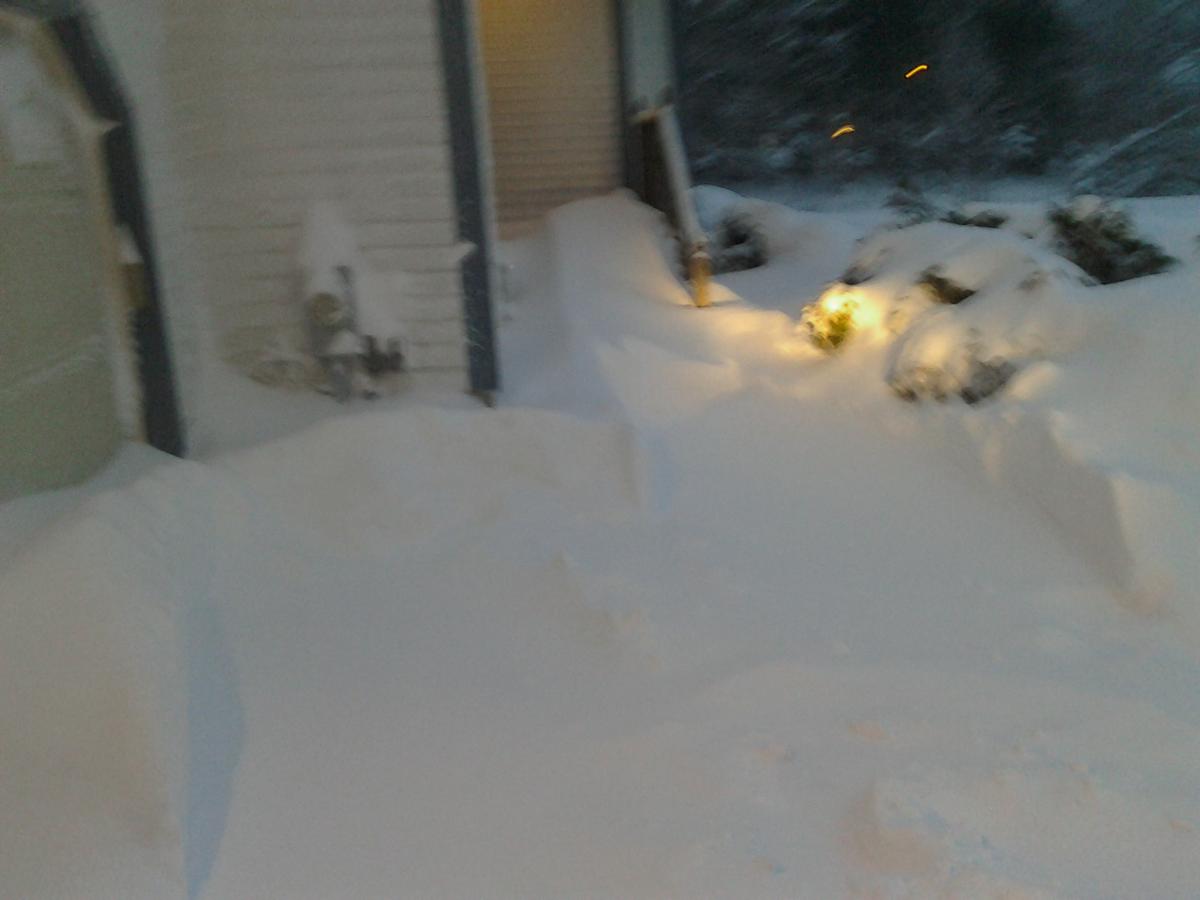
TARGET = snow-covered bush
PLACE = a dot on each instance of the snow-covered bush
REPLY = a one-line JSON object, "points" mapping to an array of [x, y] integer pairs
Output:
{"points": [[962, 310], [911, 206], [831, 321], [1101, 239], [739, 244], [986, 218], [943, 289], [970, 378]]}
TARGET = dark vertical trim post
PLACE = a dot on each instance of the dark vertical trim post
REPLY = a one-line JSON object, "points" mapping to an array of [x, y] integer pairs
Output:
{"points": [[630, 151], [458, 53], [160, 405], [73, 29]]}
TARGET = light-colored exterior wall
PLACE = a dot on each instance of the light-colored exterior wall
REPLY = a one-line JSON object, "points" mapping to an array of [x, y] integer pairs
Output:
{"points": [[277, 104], [60, 419], [554, 107]]}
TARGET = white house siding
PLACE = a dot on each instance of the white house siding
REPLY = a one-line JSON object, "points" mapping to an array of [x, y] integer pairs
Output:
{"points": [[552, 83], [279, 103]]}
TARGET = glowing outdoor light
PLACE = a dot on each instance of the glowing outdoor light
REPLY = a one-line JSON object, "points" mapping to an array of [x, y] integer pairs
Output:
{"points": [[834, 318], [844, 130], [917, 71], [835, 303]]}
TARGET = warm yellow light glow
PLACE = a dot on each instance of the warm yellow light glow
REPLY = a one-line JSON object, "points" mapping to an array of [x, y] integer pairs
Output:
{"points": [[845, 129], [832, 319], [918, 70], [832, 303], [837, 315]]}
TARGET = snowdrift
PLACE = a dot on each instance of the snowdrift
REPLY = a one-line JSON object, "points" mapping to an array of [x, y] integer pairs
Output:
{"points": [[1096, 424], [93, 716], [1095, 417], [123, 725]]}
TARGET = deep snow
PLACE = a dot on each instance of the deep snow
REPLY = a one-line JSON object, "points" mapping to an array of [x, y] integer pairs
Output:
{"points": [[697, 613]]}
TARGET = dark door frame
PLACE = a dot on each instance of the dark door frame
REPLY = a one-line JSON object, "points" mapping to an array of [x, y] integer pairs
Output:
{"points": [[72, 26], [459, 52]]}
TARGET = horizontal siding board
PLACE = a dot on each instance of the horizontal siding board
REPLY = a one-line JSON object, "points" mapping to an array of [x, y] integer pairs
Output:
{"points": [[385, 192], [427, 285], [437, 314], [260, 322], [419, 261], [237, 55], [290, 28], [198, 94], [375, 160], [377, 242], [419, 11], [316, 161], [249, 212], [374, 124], [437, 332], [437, 356], [228, 80]]}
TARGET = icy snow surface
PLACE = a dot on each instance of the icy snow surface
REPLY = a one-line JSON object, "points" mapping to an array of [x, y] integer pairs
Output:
{"points": [[698, 613]]}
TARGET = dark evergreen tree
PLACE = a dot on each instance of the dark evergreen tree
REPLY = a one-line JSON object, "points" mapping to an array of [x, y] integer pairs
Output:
{"points": [[1099, 87]]}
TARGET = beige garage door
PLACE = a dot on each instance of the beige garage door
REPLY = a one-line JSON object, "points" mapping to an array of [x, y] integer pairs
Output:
{"points": [[552, 82], [58, 417]]}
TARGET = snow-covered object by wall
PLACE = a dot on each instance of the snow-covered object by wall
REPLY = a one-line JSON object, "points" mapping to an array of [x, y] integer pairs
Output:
{"points": [[329, 247], [274, 107]]}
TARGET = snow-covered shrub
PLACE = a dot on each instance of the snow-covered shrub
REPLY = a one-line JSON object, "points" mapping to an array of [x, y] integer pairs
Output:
{"points": [[830, 322], [911, 206], [1101, 239], [1022, 305], [973, 381], [943, 289], [739, 244], [986, 218]]}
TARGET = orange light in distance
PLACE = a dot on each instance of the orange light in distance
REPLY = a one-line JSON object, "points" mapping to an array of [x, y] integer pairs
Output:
{"points": [[918, 70], [844, 130]]}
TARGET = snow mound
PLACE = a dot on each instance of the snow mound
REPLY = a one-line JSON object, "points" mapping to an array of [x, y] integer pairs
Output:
{"points": [[93, 719], [1080, 379], [441, 470], [788, 232], [1073, 381]]}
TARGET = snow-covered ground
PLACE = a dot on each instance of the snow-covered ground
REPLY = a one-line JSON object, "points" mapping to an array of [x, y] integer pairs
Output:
{"points": [[698, 612]]}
